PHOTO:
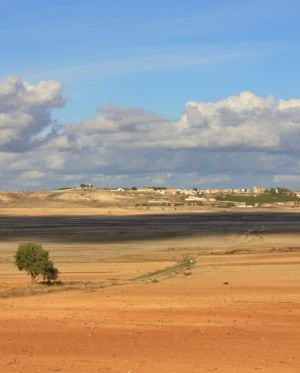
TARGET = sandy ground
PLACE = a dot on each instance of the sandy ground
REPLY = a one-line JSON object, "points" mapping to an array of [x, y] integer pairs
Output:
{"points": [[115, 211], [238, 313], [237, 310]]}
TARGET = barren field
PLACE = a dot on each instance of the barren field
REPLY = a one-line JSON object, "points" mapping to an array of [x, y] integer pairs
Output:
{"points": [[236, 310]]}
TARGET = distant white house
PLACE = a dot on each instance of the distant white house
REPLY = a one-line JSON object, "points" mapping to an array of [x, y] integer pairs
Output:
{"points": [[145, 190], [195, 199], [240, 204], [118, 190], [158, 201]]}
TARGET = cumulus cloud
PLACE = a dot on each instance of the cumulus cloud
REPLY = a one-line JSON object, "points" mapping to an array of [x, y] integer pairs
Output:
{"points": [[25, 111], [117, 126], [245, 122], [241, 140]]}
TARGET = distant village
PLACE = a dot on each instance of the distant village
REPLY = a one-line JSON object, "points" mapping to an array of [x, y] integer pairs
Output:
{"points": [[239, 197]]}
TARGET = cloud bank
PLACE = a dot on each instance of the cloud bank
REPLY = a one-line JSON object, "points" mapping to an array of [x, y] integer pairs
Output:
{"points": [[241, 140]]}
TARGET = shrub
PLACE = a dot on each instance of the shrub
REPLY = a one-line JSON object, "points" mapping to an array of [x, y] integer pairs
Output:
{"points": [[50, 273]]}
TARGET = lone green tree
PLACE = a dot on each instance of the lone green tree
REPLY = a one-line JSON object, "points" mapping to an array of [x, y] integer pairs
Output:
{"points": [[33, 259]]}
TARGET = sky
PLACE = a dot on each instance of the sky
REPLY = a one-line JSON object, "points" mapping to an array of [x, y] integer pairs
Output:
{"points": [[135, 93]]}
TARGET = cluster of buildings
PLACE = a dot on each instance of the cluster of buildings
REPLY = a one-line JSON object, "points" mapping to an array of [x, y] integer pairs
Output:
{"points": [[229, 197], [194, 191], [188, 192], [241, 197]]}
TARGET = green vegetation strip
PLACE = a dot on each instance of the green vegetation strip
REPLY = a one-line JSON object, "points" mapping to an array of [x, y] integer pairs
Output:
{"points": [[269, 196], [166, 272], [40, 289]]}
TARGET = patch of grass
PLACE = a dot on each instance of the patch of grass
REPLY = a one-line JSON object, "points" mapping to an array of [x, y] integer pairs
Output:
{"points": [[185, 262], [259, 251], [40, 289]]}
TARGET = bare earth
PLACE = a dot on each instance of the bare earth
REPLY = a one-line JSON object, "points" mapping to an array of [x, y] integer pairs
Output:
{"points": [[237, 310]]}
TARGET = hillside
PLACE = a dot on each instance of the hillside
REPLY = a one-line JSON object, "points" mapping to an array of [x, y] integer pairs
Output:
{"points": [[75, 198], [67, 198]]}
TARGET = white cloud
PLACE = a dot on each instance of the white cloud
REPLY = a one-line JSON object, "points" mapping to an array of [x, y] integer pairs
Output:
{"points": [[241, 139], [25, 111], [213, 180], [287, 180], [245, 121], [34, 174], [55, 161]]}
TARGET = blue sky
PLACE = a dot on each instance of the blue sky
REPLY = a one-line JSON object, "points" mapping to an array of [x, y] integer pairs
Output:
{"points": [[107, 64], [152, 54]]}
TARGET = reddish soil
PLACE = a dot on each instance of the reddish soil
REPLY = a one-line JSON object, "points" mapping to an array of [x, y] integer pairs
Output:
{"points": [[233, 313]]}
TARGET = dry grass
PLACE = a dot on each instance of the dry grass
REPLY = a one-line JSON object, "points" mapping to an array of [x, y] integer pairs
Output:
{"points": [[42, 288]]}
